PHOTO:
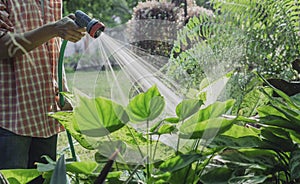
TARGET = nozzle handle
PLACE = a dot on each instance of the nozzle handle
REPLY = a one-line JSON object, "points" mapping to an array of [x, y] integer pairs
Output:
{"points": [[93, 26], [82, 19]]}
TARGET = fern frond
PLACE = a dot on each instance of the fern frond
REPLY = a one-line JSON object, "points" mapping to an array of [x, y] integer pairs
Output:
{"points": [[269, 35]]}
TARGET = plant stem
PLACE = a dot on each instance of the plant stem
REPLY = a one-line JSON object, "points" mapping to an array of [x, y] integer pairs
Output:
{"points": [[195, 146], [178, 142], [110, 140], [134, 171], [197, 165], [148, 148], [177, 147], [135, 141], [150, 156], [186, 174], [200, 173], [128, 169], [155, 148]]}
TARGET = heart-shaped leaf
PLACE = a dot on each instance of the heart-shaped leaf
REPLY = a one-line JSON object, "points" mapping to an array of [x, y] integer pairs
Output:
{"points": [[146, 106], [187, 107], [99, 116]]}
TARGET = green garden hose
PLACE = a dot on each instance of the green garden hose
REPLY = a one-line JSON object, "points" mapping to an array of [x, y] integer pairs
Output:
{"points": [[60, 72], [61, 97]]}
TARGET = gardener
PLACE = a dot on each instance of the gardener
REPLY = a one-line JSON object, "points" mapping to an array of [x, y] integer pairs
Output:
{"points": [[28, 61]]}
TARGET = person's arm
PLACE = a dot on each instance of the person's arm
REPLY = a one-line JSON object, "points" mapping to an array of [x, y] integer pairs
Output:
{"points": [[12, 45]]}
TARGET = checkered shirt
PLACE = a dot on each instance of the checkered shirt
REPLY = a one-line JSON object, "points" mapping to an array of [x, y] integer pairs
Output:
{"points": [[27, 92]]}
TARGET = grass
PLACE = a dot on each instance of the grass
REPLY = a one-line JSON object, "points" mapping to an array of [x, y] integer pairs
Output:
{"points": [[63, 147], [89, 82]]}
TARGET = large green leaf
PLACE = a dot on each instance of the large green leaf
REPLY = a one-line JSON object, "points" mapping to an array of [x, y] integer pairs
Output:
{"points": [[214, 110], [178, 162], [290, 114], [99, 116], [267, 110], [186, 175], [207, 120], [279, 122], [107, 148], [82, 167], [67, 119], [277, 139], [232, 142], [166, 129], [19, 176], [238, 131], [248, 179], [295, 164], [279, 116], [146, 106], [172, 119], [60, 168], [217, 176], [206, 129], [252, 159], [238, 137], [134, 143], [188, 107]]}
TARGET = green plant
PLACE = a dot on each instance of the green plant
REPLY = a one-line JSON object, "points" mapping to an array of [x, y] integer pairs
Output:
{"points": [[110, 12], [261, 145], [217, 147], [243, 35], [95, 124]]}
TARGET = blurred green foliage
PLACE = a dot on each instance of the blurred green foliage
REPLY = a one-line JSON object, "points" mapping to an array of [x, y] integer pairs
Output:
{"points": [[110, 12]]}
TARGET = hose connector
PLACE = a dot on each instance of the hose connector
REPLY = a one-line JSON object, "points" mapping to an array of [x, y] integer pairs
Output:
{"points": [[93, 26]]}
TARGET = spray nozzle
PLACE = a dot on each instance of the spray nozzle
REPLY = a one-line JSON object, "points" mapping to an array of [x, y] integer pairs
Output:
{"points": [[93, 26]]}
